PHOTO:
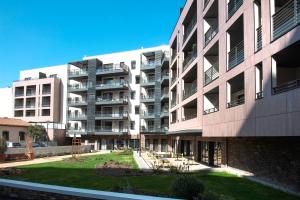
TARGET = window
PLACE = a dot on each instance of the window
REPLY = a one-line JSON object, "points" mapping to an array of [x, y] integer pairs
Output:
{"points": [[5, 135], [133, 64], [132, 95], [53, 76], [137, 79], [137, 109], [132, 125], [21, 136], [259, 81]]}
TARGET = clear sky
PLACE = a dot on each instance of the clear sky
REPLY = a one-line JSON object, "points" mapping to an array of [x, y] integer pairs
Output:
{"points": [[40, 33]]}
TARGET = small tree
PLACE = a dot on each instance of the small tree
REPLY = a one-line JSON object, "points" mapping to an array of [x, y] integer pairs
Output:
{"points": [[187, 187], [37, 132], [3, 145]]}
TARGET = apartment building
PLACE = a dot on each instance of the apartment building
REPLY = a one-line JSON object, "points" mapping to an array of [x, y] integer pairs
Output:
{"points": [[234, 89], [107, 93], [38, 98]]}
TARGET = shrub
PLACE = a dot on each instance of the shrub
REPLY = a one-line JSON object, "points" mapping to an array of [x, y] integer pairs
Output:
{"points": [[186, 187]]}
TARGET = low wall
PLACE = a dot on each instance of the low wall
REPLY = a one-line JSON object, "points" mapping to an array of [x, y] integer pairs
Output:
{"points": [[47, 151], [32, 191]]}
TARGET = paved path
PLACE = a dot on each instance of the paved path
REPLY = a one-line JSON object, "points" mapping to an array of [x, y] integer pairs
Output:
{"points": [[45, 160], [140, 161]]}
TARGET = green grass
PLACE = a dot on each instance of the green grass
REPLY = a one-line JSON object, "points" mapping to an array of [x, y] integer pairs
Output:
{"points": [[83, 175]]}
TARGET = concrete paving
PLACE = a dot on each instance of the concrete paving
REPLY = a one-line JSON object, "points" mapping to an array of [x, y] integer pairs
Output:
{"points": [[143, 165]]}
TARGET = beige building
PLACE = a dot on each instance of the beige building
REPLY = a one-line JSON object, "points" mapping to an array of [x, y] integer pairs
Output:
{"points": [[13, 130], [234, 88], [37, 99]]}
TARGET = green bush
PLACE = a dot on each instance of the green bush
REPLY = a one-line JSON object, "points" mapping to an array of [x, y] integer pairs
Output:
{"points": [[187, 187]]}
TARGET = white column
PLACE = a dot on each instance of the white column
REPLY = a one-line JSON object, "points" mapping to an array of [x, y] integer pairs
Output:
{"points": [[96, 145], [103, 144], [274, 73]]}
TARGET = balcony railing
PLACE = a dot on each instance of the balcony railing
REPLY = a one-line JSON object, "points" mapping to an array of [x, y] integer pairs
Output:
{"points": [[30, 105], [211, 74], [211, 110], [47, 104], [77, 116], [259, 95], [189, 91], [111, 115], [19, 94], [19, 106], [173, 103], [286, 87], [77, 101], [210, 34], [147, 97], [190, 116], [236, 102], [188, 29], [236, 55], [46, 91], [189, 59], [78, 72], [148, 65], [149, 114], [165, 93], [30, 93], [112, 84], [112, 68], [259, 38], [109, 129], [111, 100], [232, 7], [286, 18], [82, 86], [148, 80], [149, 129]]}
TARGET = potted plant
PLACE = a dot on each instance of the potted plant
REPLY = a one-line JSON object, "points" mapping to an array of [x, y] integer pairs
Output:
{"points": [[29, 148], [3, 148]]}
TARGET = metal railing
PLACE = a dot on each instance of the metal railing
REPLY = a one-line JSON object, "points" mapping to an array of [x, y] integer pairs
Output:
{"points": [[77, 116], [188, 29], [173, 103], [148, 65], [189, 91], [259, 95], [232, 7], [210, 34], [149, 113], [19, 106], [149, 129], [211, 110], [30, 93], [117, 115], [286, 87], [192, 55], [165, 74], [19, 94], [236, 102], [259, 38], [112, 100], [78, 72], [112, 68], [109, 129], [147, 80], [112, 84], [77, 101], [211, 74], [147, 97], [236, 55], [78, 86], [286, 18], [165, 92]]}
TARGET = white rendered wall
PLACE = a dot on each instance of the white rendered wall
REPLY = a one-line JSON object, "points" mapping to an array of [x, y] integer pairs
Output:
{"points": [[6, 102]]}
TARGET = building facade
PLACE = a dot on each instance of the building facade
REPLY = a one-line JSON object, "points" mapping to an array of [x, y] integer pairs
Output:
{"points": [[235, 86], [13, 130], [107, 93]]}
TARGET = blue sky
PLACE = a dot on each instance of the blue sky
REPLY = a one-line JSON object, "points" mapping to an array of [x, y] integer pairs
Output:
{"points": [[40, 33]]}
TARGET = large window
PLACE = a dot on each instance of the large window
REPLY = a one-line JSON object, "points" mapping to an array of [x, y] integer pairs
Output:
{"points": [[22, 136], [5, 135]]}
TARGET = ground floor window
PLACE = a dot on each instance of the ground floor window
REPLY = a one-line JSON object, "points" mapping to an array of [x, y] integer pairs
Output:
{"points": [[204, 152], [186, 147], [22, 136], [147, 144], [5, 135], [155, 145], [211, 153], [164, 145]]}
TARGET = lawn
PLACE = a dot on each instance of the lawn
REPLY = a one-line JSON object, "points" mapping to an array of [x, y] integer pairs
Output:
{"points": [[83, 175]]}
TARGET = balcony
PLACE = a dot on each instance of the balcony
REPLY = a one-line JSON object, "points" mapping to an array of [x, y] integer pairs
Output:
{"points": [[192, 55], [164, 112], [148, 114], [148, 65], [148, 81], [30, 93], [286, 18], [112, 69], [286, 87], [110, 116], [111, 101], [149, 129], [258, 39], [112, 85], [211, 110], [77, 102], [80, 131], [173, 103], [19, 94], [19, 106], [147, 98], [164, 77], [108, 130], [77, 73], [189, 91], [188, 29], [164, 94], [78, 87], [236, 102], [211, 74], [210, 34], [236, 55], [189, 110], [232, 7], [211, 101], [77, 117]]}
